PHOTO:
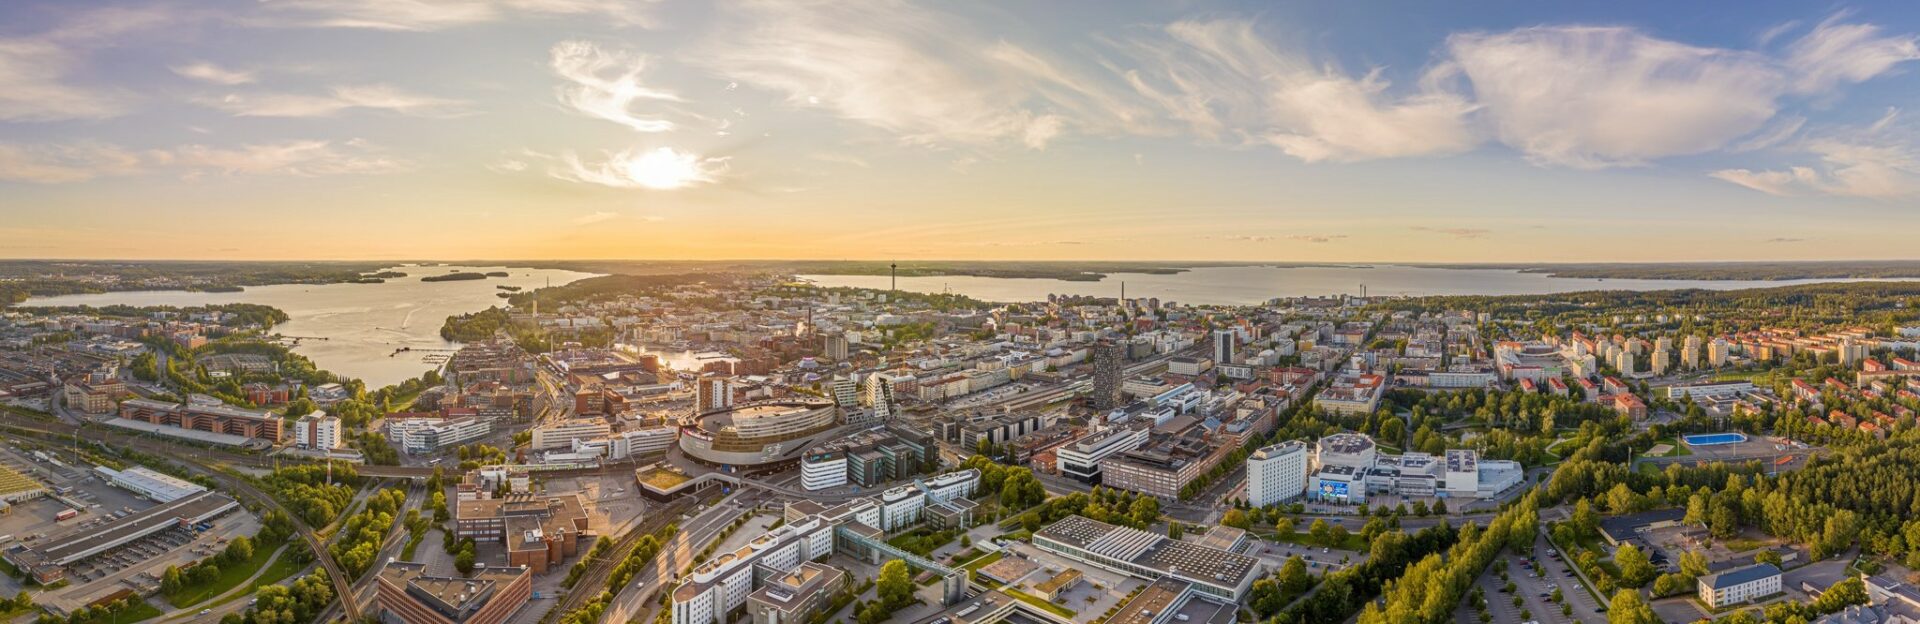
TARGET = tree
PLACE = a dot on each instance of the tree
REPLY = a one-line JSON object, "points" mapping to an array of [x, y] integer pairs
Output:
{"points": [[1320, 531], [1293, 576], [1439, 508], [464, 561], [1585, 521], [1635, 569], [895, 585], [1628, 607], [1175, 530], [1693, 563], [1767, 556], [1284, 525], [1237, 519], [1337, 535]]}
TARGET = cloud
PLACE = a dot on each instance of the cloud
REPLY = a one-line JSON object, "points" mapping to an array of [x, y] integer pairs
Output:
{"points": [[427, 15], [1223, 81], [370, 97], [917, 73], [57, 164], [1876, 161], [1593, 96], [1315, 238], [209, 72], [1784, 239], [606, 85], [1603, 96], [844, 159], [595, 217], [83, 161], [1455, 232], [1835, 53], [658, 169], [35, 70]]}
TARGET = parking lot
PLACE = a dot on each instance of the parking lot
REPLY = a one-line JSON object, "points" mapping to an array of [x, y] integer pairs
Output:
{"points": [[1534, 581], [138, 565]]}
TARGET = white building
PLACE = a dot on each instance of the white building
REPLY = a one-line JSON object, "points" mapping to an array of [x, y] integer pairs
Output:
{"points": [[425, 435], [822, 471], [953, 485], [1739, 585], [1081, 459], [640, 442], [317, 430], [563, 433], [154, 486], [1278, 473], [900, 507], [720, 586]]}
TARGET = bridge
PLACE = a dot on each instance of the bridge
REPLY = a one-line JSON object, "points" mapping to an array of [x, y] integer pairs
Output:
{"points": [[953, 582]]}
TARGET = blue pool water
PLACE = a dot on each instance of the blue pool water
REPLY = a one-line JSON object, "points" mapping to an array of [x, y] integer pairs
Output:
{"points": [[1710, 439]]}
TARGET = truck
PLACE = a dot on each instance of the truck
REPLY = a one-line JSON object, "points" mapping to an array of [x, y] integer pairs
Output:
{"points": [[66, 514]]}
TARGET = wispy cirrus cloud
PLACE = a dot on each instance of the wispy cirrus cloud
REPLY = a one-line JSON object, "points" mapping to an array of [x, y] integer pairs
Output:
{"points": [[1784, 239], [1602, 96], [1222, 80], [918, 73], [659, 169], [36, 70], [209, 72], [606, 84], [59, 163], [373, 97], [1878, 161], [1456, 232], [428, 15], [591, 218]]}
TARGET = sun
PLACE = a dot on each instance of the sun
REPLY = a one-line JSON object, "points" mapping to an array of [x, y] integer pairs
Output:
{"points": [[665, 169]]}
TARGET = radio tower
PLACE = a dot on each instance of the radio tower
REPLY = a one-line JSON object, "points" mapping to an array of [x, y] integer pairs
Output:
{"points": [[893, 277]]}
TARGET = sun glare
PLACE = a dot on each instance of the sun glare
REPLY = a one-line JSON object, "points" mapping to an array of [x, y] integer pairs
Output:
{"points": [[665, 168]]}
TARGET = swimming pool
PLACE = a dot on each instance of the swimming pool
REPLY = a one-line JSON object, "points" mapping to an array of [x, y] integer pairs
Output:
{"points": [[1710, 439]]}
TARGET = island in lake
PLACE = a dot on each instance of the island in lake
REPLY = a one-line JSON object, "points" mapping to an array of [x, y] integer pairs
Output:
{"points": [[454, 277]]}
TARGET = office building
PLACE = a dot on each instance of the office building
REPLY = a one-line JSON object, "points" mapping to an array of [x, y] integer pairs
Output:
{"points": [[715, 589], [201, 413], [1349, 467], [794, 597], [834, 347], [539, 532], [562, 434], [1739, 585], [1109, 366], [1081, 459], [712, 393], [846, 392], [491, 595], [426, 435], [1278, 473], [820, 471], [641, 442]]}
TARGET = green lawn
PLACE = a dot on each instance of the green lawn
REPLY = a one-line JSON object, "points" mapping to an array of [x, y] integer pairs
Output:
{"points": [[1354, 541], [976, 564], [1740, 545], [140, 611], [1679, 449], [1036, 601], [230, 577]]}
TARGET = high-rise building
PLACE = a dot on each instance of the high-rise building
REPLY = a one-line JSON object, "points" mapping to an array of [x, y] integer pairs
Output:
{"points": [[317, 430], [846, 392], [877, 394], [835, 347], [1109, 366], [714, 393], [1717, 352], [1659, 363], [1222, 346], [1277, 474]]}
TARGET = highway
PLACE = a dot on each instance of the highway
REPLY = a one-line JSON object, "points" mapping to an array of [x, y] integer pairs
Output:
{"points": [[600, 568], [630, 602]]}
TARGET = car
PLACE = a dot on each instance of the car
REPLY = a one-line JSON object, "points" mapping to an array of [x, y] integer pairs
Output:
{"points": [[1543, 594], [1600, 609], [205, 611]]}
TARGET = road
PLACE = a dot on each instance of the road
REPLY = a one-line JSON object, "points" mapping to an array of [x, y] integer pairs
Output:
{"points": [[695, 533], [599, 569]]}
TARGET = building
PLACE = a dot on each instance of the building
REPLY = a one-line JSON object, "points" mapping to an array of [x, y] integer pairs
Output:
{"points": [[317, 430], [714, 590], [562, 434], [1224, 575], [834, 347], [1109, 366], [426, 435], [1739, 585], [539, 532], [202, 413], [154, 486], [1223, 346], [759, 434], [1348, 467], [407, 593], [1081, 459], [1717, 352], [793, 597], [712, 392], [1351, 394], [1710, 390], [48, 559], [1277, 473], [820, 471], [641, 442]]}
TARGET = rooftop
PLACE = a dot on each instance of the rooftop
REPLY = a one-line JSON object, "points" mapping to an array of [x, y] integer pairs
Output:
{"points": [[1740, 576]]}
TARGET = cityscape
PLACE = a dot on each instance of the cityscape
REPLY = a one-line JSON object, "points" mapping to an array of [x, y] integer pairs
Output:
{"points": [[905, 312]]}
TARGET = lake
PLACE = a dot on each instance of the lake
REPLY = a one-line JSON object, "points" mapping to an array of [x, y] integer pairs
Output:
{"points": [[1247, 285], [363, 323]]}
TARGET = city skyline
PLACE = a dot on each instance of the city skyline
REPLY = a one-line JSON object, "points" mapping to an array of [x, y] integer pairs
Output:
{"points": [[1225, 131]]}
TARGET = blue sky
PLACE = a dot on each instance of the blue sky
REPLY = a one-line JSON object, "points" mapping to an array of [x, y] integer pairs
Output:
{"points": [[1411, 131]]}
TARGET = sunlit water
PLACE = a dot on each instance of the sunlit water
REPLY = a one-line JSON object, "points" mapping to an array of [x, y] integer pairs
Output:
{"points": [[363, 323], [1257, 284]]}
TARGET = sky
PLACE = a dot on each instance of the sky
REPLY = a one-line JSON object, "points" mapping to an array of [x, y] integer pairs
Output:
{"points": [[1410, 131]]}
